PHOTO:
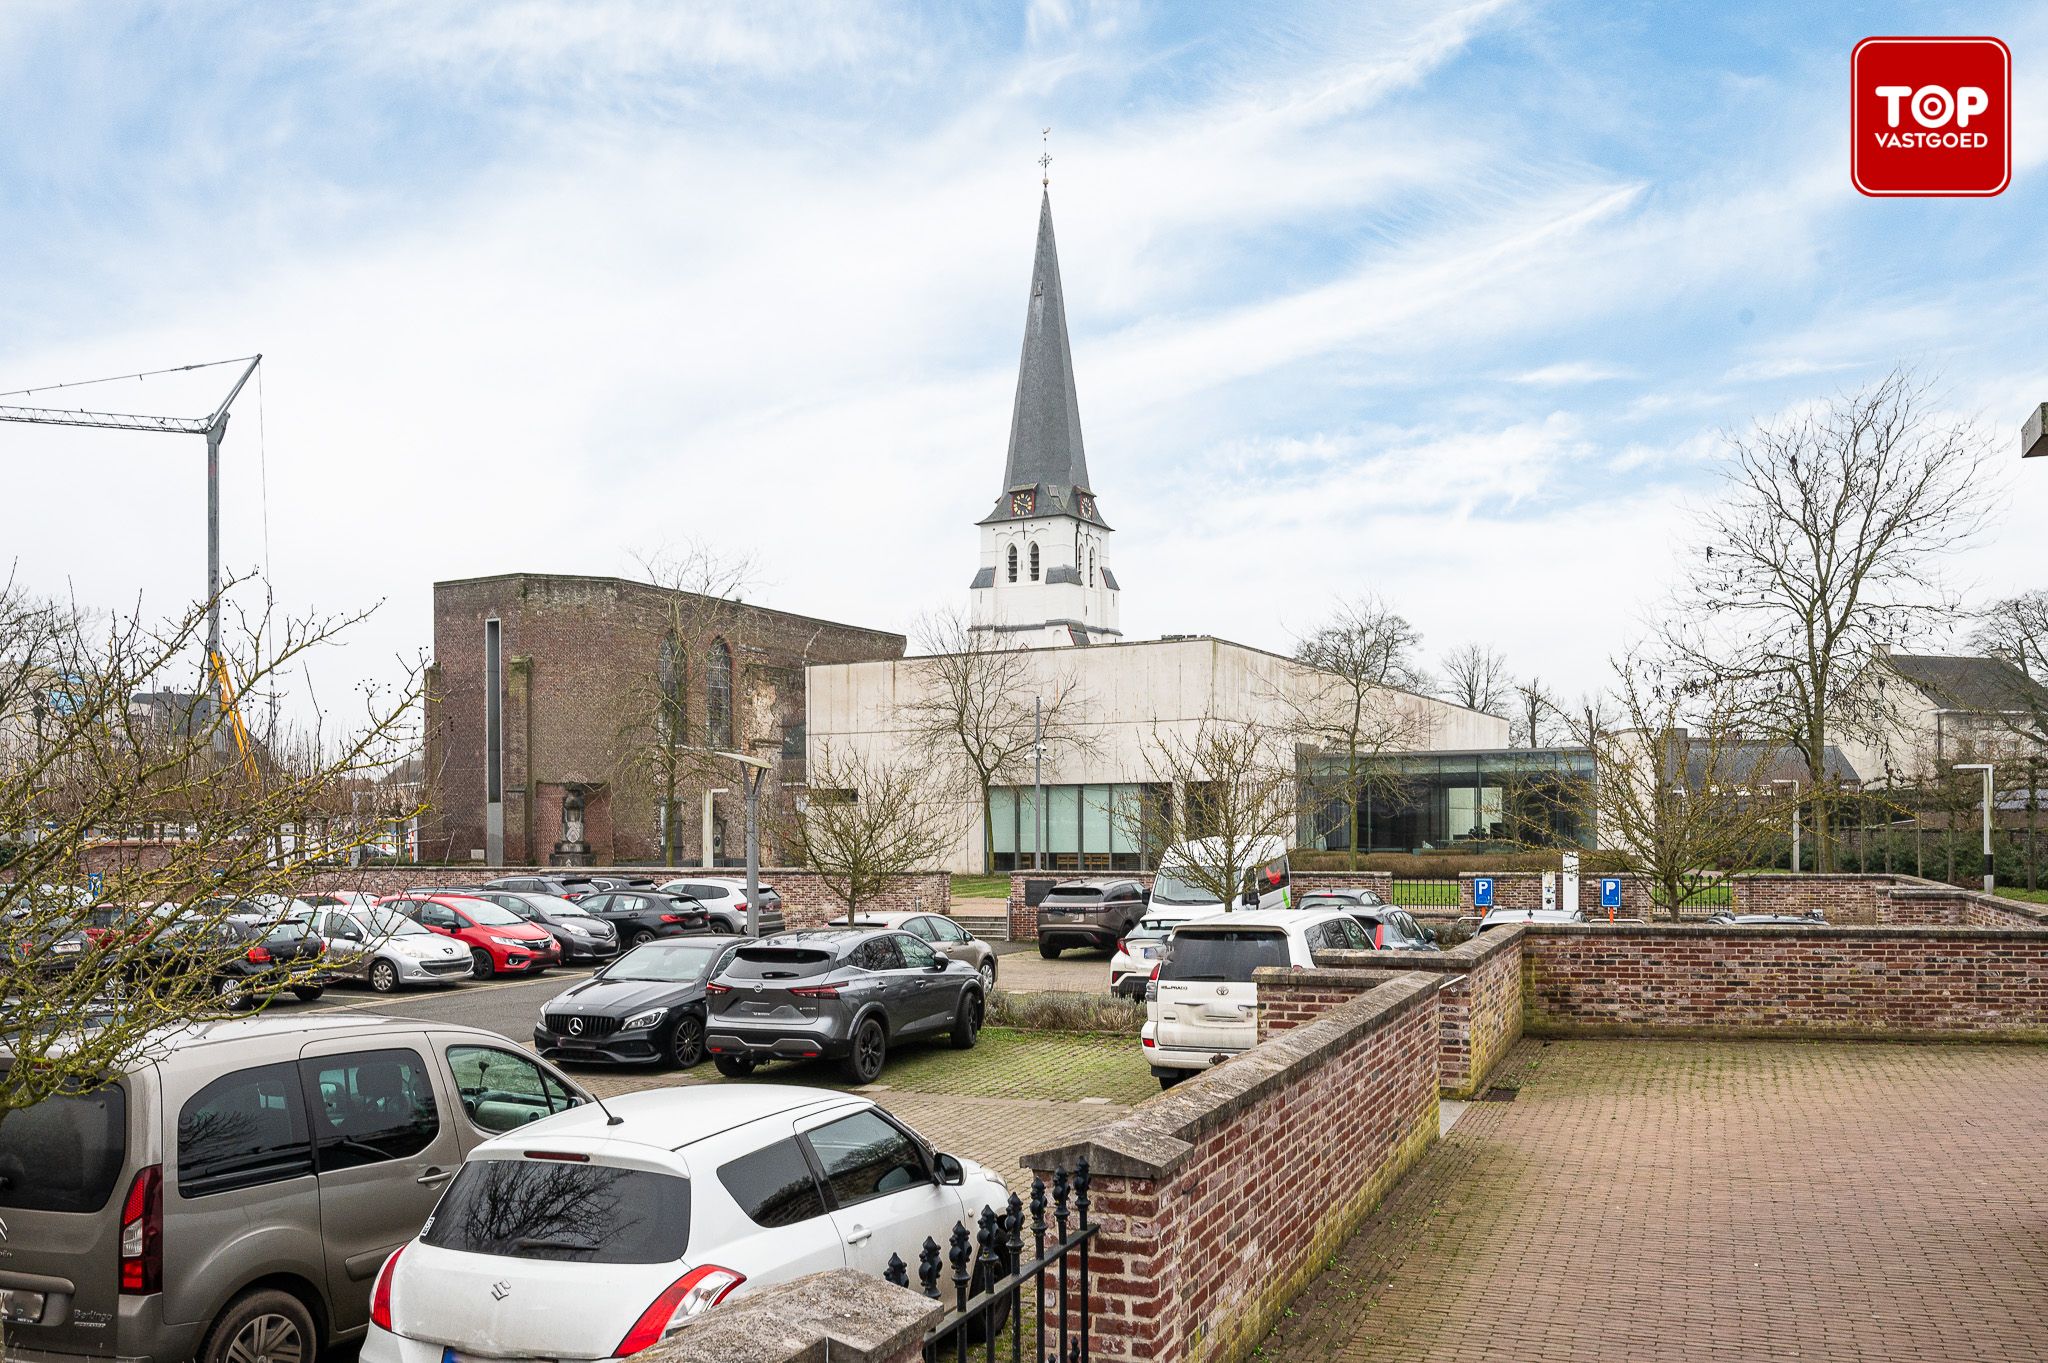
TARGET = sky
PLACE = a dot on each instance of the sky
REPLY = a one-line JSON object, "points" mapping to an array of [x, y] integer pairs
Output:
{"points": [[1450, 303]]}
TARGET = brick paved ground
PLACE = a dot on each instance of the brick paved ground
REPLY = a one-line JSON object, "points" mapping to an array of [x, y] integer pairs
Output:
{"points": [[1681, 1200], [1022, 969]]}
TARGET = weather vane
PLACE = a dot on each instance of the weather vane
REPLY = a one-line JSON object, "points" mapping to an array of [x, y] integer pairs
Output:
{"points": [[1045, 160]]}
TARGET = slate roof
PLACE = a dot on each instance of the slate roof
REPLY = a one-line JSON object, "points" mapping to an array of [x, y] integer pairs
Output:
{"points": [[1046, 454], [1975, 685], [1761, 760]]}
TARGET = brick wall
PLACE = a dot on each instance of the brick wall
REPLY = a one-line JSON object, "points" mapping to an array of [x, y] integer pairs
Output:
{"points": [[806, 902], [1024, 917], [1524, 890], [1221, 1199], [1479, 1013], [1880, 982], [1842, 899]]}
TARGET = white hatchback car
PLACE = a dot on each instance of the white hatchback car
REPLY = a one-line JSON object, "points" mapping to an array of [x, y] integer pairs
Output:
{"points": [[572, 1238], [1207, 1008]]}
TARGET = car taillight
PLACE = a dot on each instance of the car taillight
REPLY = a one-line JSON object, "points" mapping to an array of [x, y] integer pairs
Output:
{"points": [[685, 1297], [259, 956], [1379, 935], [380, 1296], [142, 1234], [1123, 947], [1155, 970], [718, 989], [817, 991], [671, 918]]}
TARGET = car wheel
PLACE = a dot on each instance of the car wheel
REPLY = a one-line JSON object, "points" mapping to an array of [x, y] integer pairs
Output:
{"points": [[233, 994], [685, 1042], [734, 1066], [870, 1053], [1168, 1080], [482, 962], [988, 975], [383, 977], [308, 992], [263, 1327], [967, 1020], [724, 925], [641, 938], [1049, 951]]}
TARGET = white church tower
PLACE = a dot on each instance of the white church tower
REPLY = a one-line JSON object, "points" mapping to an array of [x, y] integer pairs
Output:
{"points": [[1045, 578]]}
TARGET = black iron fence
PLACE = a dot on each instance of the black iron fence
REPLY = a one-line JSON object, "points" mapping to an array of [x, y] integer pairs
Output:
{"points": [[992, 1284]]}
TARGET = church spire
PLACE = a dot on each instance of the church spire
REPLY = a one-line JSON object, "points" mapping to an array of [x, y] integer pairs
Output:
{"points": [[1046, 452]]}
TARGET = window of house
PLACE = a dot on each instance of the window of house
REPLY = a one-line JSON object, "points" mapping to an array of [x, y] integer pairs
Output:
{"points": [[1034, 561], [1013, 563], [674, 676], [1091, 567], [718, 694]]}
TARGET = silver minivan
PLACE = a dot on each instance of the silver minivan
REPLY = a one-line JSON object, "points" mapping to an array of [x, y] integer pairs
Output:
{"points": [[232, 1199]]}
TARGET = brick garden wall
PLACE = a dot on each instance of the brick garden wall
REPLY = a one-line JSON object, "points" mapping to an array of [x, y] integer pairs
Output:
{"points": [[805, 900], [1843, 899], [1221, 1199], [1479, 1013], [1879, 982], [1024, 917], [1524, 890]]}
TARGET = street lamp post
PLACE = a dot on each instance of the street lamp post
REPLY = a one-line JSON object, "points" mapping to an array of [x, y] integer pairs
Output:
{"points": [[757, 769], [1984, 767], [1795, 820]]}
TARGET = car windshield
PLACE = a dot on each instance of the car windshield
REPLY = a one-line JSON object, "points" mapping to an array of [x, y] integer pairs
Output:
{"points": [[551, 1208], [554, 906], [1224, 954], [664, 963], [486, 913], [1172, 887]]}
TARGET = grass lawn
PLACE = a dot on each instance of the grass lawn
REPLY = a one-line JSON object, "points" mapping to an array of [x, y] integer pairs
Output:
{"points": [[1006, 1063], [981, 887], [2030, 896]]}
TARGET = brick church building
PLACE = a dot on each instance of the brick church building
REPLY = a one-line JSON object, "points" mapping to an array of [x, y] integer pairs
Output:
{"points": [[550, 692]]}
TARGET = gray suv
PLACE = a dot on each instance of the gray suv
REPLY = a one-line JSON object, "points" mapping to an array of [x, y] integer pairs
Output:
{"points": [[233, 1198], [840, 994]]}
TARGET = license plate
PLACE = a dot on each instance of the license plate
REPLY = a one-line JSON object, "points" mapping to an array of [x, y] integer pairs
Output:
{"points": [[1148, 953], [18, 1307], [453, 1355]]}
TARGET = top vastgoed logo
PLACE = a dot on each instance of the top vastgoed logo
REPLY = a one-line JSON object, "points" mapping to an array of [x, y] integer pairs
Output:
{"points": [[1930, 117]]}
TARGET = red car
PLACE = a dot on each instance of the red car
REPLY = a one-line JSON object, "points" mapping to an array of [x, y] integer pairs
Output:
{"points": [[499, 941]]}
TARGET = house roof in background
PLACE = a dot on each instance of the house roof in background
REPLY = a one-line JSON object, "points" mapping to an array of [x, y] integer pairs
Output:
{"points": [[1970, 683]]}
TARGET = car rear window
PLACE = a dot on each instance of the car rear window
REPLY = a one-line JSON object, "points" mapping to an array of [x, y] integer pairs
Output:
{"points": [[779, 963], [1076, 892], [563, 1210], [65, 1153], [1229, 954]]}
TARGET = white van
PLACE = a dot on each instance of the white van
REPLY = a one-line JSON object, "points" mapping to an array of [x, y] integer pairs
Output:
{"points": [[1262, 876], [1207, 1008]]}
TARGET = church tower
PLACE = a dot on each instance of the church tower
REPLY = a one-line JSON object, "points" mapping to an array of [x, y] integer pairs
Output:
{"points": [[1045, 578]]}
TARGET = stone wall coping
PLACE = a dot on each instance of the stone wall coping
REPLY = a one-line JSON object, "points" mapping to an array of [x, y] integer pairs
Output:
{"points": [[1159, 1135], [840, 1315], [1903, 932], [1462, 957]]}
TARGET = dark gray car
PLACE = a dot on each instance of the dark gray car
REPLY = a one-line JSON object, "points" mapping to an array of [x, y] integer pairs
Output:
{"points": [[1391, 928], [845, 994]]}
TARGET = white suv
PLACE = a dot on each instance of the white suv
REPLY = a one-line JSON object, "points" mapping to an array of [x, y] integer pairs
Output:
{"points": [[572, 1238], [1207, 1008]]}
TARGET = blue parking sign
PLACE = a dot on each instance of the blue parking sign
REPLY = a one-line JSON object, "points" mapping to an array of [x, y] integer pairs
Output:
{"points": [[1482, 892], [93, 881], [1610, 892]]}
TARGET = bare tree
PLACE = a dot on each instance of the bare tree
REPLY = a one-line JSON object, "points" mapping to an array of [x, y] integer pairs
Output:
{"points": [[984, 708], [1354, 709], [864, 822], [116, 756], [1535, 715], [1228, 783], [1476, 677], [2016, 629], [1679, 795], [1821, 550], [664, 740]]}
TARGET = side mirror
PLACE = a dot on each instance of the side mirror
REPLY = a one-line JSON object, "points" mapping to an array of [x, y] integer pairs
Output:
{"points": [[349, 935], [941, 963], [951, 1172]]}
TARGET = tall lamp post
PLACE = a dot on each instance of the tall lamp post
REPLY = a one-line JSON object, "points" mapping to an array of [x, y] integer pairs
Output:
{"points": [[1795, 820], [1984, 767], [756, 771]]}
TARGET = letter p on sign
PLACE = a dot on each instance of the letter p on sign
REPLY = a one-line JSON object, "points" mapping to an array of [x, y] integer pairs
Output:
{"points": [[1930, 117]]}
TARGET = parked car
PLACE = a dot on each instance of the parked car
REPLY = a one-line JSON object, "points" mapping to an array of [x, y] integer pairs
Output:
{"points": [[566, 887], [229, 1199], [578, 1239], [1496, 918], [352, 900], [649, 1005], [580, 934], [939, 932], [845, 994], [385, 949], [1137, 952], [1391, 928], [45, 948], [725, 901], [642, 915], [247, 957], [499, 941], [1088, 913], [1187, 872], [1207, 1008], [1811, 919]]}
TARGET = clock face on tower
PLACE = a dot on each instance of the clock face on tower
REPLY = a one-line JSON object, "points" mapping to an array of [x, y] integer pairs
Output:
{"points": [[1021, 503], [1087, 505]]}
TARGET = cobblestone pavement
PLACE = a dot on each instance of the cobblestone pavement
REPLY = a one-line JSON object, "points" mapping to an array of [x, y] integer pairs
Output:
{"points": [[1022, 969], [1644, 1200]]}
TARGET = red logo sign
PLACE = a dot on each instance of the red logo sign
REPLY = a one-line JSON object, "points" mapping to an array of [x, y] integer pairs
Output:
{"points": [[1930, 116]]}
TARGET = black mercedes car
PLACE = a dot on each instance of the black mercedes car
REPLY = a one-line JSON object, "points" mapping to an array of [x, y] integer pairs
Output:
{"points": [[646, 1006], [845, 994], [582, 935]]}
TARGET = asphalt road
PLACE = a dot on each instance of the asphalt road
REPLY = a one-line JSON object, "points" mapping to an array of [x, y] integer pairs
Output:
{"points": [[508, 1007]]}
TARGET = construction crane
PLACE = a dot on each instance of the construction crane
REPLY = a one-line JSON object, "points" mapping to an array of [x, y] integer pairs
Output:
{"points": [[213, 426]]}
